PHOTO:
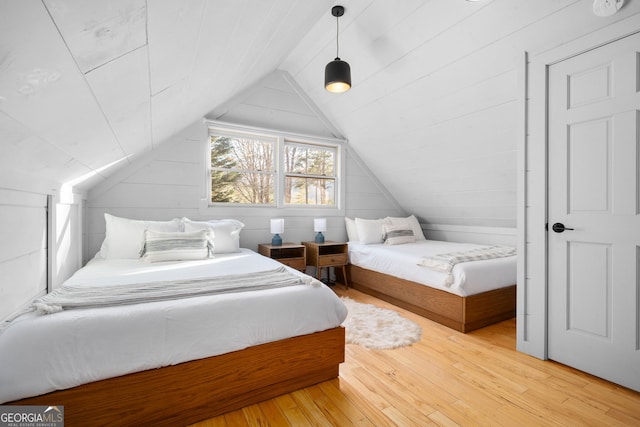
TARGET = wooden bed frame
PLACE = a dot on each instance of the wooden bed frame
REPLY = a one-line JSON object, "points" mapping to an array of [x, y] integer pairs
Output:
{"points": [[463, 314], [192, 391]]}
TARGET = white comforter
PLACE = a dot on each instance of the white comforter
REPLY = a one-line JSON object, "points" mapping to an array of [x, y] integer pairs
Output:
{"points": [[43, 353], [469, 278]]}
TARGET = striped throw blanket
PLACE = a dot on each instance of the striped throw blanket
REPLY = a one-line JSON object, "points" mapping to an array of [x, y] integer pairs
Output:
{"points": [[69, 297], [444, 263]]}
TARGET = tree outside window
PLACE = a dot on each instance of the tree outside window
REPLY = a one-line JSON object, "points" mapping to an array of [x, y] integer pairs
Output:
{"points": [[246, 169], [242, 170], [309, 174]]}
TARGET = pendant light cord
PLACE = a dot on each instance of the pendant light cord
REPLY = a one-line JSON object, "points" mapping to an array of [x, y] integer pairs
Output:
{"points": [[337, 32]]}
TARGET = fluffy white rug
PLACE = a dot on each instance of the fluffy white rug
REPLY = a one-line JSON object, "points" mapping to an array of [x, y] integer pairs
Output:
{"points": [[378, 328]]}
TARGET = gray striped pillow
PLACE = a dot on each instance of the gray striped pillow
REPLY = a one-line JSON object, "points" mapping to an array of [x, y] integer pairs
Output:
{"points": [[398, 234], [175, 246]]}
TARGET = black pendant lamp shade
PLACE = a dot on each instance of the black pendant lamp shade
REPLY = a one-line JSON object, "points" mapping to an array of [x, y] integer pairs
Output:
{"points": [[337, 76], [337, 73]]}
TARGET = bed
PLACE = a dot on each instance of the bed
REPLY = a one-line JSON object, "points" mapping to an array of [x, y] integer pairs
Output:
{"points": [[473, 295], [179, 360]]}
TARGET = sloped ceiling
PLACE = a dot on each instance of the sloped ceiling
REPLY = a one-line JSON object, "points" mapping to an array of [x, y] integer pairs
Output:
{"points": [[276, 102], [86, 85], [437, 91]]}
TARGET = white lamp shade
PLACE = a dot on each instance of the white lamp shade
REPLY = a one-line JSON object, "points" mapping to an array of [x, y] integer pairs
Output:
{"points": [[320, 224], [277, 226]]}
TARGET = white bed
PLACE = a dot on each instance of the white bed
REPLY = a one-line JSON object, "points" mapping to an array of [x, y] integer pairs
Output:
{"points": [[402, 261], [43, 353], [384, 258]]}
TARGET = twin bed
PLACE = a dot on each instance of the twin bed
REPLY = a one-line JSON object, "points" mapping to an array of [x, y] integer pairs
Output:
{"points": [[473, 294], [212, 347]]}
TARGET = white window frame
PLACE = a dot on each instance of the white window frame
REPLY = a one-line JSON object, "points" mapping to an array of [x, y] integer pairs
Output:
{"points": [[255, 136], [285, 174], [226, 129]]}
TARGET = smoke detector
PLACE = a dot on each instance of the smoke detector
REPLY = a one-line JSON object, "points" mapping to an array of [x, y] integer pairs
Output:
{"points": [[606, 7]]}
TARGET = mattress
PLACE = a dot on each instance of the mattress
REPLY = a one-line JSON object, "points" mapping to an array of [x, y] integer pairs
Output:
{"points": [[401, 261], [44, 353]]}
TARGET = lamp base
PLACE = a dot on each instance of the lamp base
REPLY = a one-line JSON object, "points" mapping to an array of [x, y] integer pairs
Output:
{"points": [[319, 237], [276, 240]]}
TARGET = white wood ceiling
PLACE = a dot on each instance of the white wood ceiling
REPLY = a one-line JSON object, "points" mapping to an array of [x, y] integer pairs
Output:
{"points": [[89, 84], [86, 85], [433, 110]]}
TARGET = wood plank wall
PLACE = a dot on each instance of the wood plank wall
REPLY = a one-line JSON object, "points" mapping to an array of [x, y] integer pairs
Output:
{"points": [[434, 104], [169, 182], [23, 251], [470, 234]]}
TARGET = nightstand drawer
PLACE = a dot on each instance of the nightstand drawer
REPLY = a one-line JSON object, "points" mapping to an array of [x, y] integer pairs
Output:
{"points": [[297, 263], [326, 255], [332, 259]]}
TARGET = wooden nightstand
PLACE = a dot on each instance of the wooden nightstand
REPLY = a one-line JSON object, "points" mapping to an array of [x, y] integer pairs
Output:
{"points": [[328, 254], [290, 254]]}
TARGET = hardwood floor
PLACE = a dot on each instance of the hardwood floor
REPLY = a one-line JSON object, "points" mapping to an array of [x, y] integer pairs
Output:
{"points": [[446, 379]]}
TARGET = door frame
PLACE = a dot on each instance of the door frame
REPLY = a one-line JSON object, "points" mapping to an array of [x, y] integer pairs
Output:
{"points": [[532, 202]]}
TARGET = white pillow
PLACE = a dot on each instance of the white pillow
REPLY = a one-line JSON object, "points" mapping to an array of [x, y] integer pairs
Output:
{"points": [[124, 237], [224, 233], [175, 246], [369, 230], [398, 234], [413, 223], [352, 231]]}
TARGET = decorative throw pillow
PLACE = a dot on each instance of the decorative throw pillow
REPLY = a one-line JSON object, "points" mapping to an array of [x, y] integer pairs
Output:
{"points": [[369, 230], [178, 246], [398, 234], [124, 237], [224, 233], [413, 223]]}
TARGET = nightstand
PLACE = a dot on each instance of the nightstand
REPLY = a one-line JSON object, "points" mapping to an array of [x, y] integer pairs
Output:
{"points": [[290, 254], [328, 254]]}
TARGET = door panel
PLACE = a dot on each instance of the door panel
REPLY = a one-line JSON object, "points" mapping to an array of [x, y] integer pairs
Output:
{"points": [[588, 166], [589, 86], [624, 164], [594, 110], [589, 288]]}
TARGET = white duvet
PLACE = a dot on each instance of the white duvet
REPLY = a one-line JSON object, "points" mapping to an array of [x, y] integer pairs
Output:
{"points": [[43, 353], [401, 261]]}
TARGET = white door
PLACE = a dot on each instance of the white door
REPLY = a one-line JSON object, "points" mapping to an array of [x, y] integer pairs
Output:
{"points": [[593, 157]]}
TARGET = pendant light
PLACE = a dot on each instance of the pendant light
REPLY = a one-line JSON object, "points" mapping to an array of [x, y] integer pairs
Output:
{"points": [[337, 73]]}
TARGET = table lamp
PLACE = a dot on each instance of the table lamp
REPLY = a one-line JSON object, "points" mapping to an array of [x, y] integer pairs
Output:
{"points": [[319, 225], [277, 227]]}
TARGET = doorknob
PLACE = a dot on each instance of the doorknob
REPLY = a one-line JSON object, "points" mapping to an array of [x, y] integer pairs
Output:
{"points": [[559, 227]]}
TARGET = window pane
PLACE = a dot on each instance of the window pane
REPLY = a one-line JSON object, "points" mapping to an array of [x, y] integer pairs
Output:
{"points": [[241, 154], [309, 161], [310, 191], [242, 187], [242, 170]]}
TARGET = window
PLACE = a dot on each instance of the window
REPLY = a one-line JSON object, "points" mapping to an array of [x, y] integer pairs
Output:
{"points": [[309, 174], [242, 170], [248, 168]]}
